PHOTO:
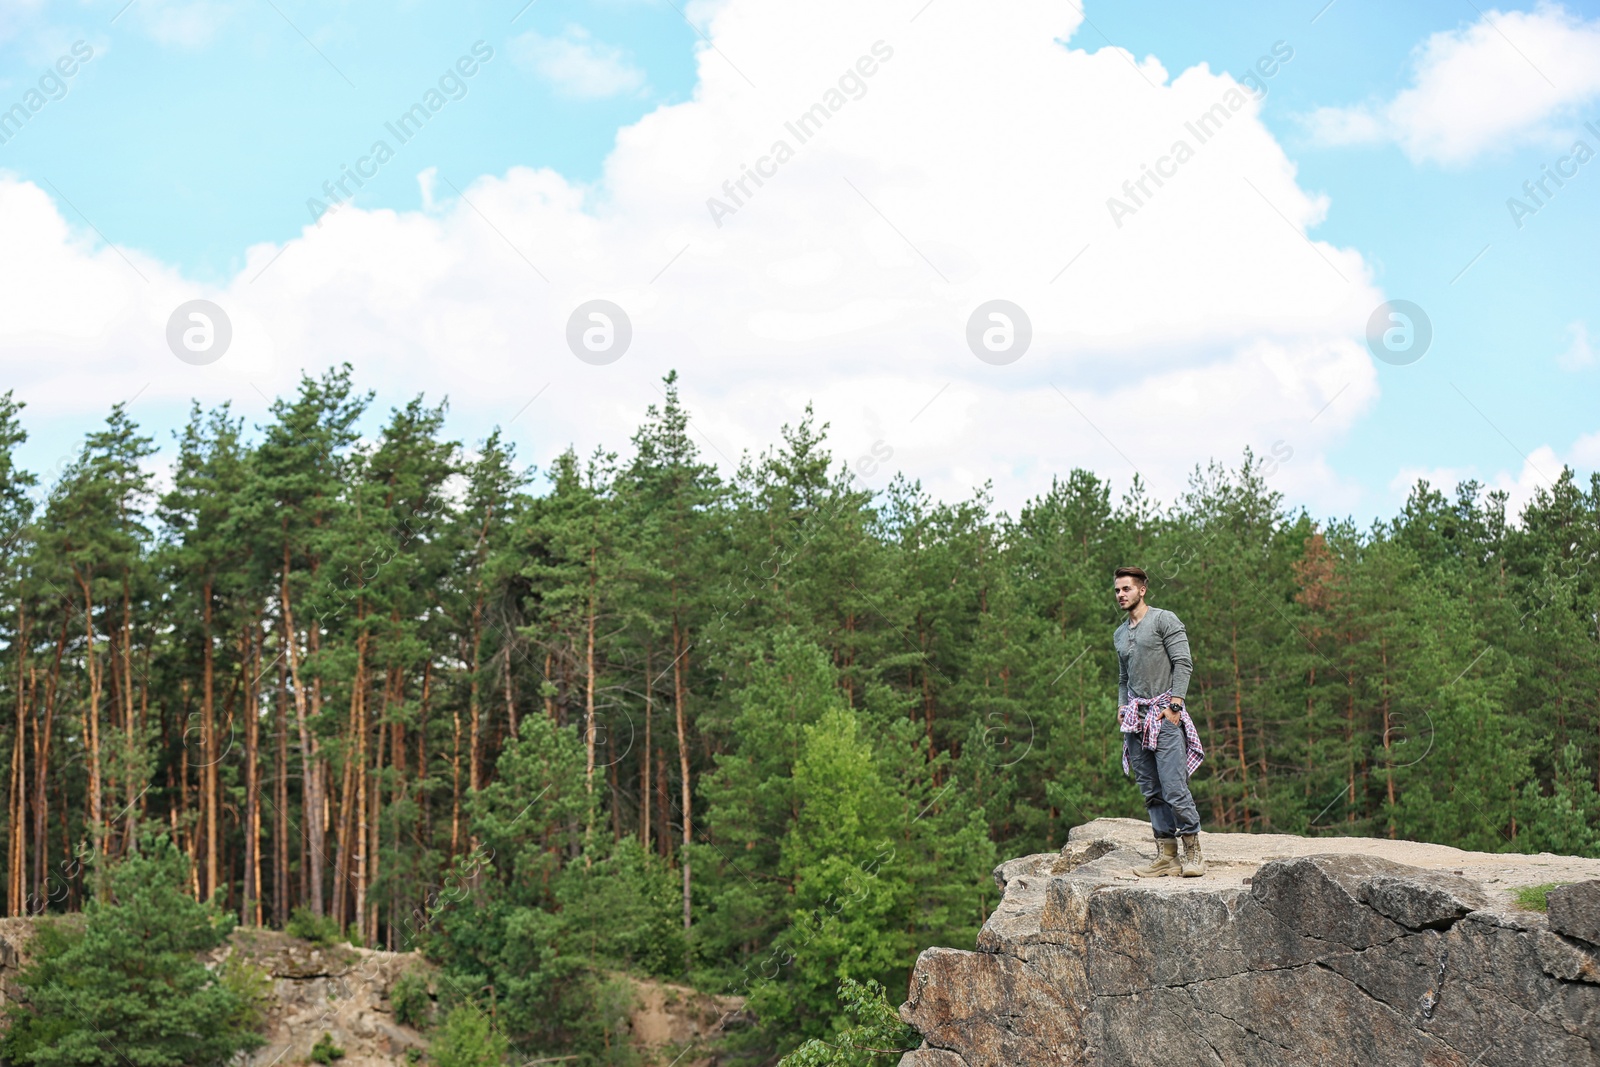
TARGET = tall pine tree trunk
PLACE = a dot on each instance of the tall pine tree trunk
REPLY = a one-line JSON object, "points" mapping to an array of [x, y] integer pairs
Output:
{"points": [[589, 725], [455, 783], [311, 810], [280, 785], [663, 829], [475, 720], [358, 711], [250, 899], [17, 858], [208, 738], [41, 766], [424, 794], [644, 764], [129, 722], [1238, 723], [680, 646], [505, 674], [91, 716], [1388, 755]]}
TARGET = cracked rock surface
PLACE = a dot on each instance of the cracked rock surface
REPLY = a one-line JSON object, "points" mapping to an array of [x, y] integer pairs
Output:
{"points": [[1313, 951]]}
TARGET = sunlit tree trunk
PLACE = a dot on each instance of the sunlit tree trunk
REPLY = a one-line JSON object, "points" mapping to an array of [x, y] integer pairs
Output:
{"points": [[311, 808]]}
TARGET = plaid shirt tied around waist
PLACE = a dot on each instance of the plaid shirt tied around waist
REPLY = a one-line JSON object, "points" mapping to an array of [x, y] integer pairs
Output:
{"points": [[1145, 716]]}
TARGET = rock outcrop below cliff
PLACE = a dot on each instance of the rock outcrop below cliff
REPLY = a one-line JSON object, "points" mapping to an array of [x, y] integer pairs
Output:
{"points": [[338, 990], [1325, 951]]}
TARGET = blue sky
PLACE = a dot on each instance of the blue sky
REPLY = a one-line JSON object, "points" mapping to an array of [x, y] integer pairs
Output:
{"points": [[199, 130]]}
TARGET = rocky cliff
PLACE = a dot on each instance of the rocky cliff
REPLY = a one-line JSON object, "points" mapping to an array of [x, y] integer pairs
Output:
{"points": [[1325, 952]]}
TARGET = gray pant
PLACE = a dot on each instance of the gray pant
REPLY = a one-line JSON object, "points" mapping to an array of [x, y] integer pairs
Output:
{"points": [[1163, 777]]}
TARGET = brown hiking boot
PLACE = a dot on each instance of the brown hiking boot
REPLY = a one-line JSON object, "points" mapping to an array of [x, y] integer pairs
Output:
{"points": [[1166, 860], [1194, 864]]}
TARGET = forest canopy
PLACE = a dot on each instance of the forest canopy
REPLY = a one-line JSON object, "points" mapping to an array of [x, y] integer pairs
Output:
{"points": [[763, 731]]}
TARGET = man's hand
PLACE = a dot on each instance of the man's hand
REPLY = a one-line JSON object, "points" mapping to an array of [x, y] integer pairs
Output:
{"points": [[1174, 712]]}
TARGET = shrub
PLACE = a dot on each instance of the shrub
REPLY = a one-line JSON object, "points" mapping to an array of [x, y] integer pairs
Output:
{"points": [[325, 1051], [410, 1000], [251, 985], [319, 929], [468, 1040]]}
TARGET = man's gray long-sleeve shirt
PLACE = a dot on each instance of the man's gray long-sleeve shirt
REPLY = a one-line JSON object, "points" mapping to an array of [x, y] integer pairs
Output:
{"points": [[1152, 657]]}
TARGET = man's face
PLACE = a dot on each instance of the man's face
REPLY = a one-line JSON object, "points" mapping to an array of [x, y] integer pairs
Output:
{"points": [[1129, 593]]}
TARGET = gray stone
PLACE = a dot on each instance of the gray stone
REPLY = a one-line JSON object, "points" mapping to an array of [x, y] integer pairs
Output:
{"points": [[1421, 901], [931, 1057], [1311, 959], [1574, 910], [1568, 960]]}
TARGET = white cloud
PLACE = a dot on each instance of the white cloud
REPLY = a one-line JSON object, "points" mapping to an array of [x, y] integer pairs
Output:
{"points": [[1201, 325], [578, 66], [1579, 354], [1540, 469], [1509, 78], [1586, 451]]}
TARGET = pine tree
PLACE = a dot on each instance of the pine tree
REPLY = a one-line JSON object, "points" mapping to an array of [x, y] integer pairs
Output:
{"points": [[295, 504], [127, 986]]}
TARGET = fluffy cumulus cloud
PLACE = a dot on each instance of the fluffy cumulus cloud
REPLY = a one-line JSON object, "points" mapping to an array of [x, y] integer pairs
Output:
{"points": [[578, 66], [819, 222], [1507, 79]]}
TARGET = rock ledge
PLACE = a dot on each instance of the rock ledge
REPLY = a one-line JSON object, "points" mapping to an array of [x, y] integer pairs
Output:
{"points": [[1290, 951]]}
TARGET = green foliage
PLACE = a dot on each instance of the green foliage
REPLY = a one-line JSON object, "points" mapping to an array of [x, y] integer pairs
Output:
{"points": [[869, 1032], [1567, 820], [1535, 897], [127, 986], [876, 856], [623, 906], [325, 1051], [410, 1000], [546, 936], [251, 987], [467, 1038], [318, 929]]}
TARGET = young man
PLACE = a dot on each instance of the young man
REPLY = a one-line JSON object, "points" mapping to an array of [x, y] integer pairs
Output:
{"points": [[1160, 746]]}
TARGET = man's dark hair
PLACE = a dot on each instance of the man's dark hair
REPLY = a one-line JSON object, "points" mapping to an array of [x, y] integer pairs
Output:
{"points": [[1131, 572]]}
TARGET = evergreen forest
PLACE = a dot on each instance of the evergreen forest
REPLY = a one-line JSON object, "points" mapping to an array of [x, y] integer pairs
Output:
{"points": [[764, 730]]}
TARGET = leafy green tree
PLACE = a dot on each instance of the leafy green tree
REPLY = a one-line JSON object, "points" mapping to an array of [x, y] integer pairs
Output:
{"points": [[126, 986], [846, 887], [870, 1032], [467, 1038]]}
